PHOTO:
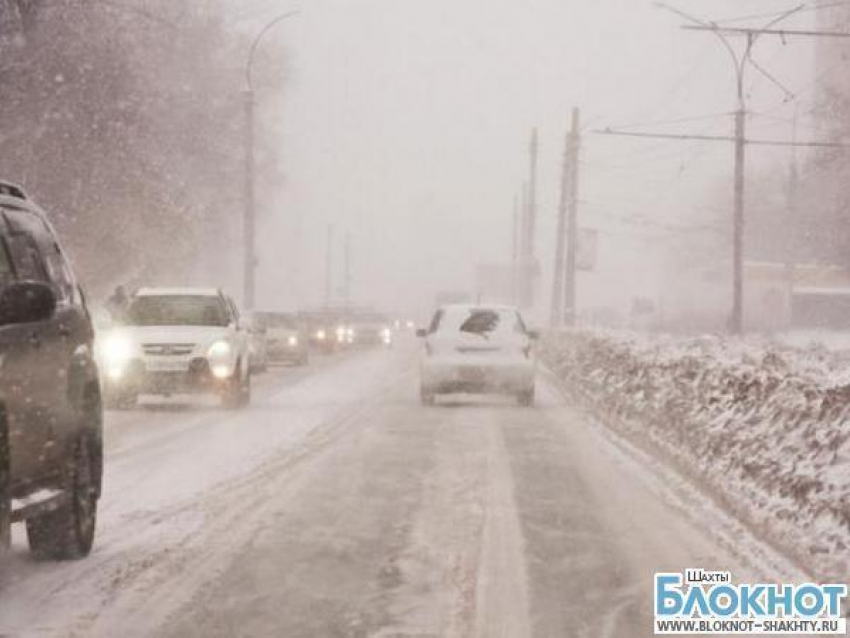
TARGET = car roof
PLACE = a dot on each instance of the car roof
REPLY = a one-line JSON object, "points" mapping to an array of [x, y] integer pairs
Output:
{"points": [[151, 291], [476, 306], [16, 203]]}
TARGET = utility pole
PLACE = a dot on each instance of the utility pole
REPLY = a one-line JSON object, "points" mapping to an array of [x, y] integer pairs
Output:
{"points": [[791, 219], [515, 251], [532, 194], [522, 259], [736, 324], [573, 150], [329, 265], [347, 274], [556, 316], [736, 321]]}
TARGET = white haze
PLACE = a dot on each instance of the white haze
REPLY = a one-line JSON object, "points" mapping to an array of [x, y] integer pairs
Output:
{"points": [[406, 123]]}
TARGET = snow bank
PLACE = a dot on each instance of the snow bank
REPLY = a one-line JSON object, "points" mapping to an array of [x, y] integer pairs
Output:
{"points": [[765, 427]]}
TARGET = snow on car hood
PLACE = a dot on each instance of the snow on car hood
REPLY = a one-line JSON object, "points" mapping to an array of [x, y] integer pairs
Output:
{"points": [[198, 335]]}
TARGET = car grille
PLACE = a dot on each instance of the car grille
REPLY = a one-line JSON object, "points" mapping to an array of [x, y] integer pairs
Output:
{"points": [[168, 349]]}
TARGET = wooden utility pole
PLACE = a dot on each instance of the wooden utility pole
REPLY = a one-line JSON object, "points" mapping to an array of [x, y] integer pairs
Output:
{"points": [[527, 265], [329, 243], [573, 151], [523, 292], [532, 195], [347, 266], [515, 251], [559, 269]]}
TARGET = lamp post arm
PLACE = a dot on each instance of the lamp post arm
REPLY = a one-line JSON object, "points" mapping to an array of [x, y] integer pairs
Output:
{"points": [[253, 50]]}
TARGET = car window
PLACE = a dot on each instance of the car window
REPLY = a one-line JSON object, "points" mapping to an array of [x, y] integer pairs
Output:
{"points": [[177, 310], [26, 259], [7, 272], [482, 322]]}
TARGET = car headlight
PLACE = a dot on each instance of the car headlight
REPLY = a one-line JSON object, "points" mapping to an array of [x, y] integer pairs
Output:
{"points": [[220, 350], [115, 353], [220, 355], [340, 334], [320, 335], [116, 349], [292, 341]]}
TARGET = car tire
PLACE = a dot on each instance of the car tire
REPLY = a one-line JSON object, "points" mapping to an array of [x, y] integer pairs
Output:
{"points": [[526, 398], [428, 397], [237, 392], [5, 490], [245, 391], [67, 533]]}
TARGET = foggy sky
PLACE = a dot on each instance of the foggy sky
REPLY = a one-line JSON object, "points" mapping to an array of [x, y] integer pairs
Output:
{"points": [[406, 122]]}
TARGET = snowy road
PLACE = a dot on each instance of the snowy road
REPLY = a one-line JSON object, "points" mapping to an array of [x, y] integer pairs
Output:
{"points": [[337, 506]]}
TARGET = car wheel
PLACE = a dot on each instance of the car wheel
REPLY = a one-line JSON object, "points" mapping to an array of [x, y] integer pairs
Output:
{"points": [[5, 491], [234, 393], [245, 391], [67, 533], [427, 396], [526, 398]]}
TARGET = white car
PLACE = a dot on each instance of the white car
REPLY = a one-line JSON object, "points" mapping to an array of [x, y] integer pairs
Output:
{"points": [[478, 349], [176, 341]]}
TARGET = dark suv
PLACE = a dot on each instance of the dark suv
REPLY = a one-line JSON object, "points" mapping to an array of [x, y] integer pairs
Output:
{"points": [[51, 450]]}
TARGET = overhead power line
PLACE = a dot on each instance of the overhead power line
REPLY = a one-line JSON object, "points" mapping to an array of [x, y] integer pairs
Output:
{"points": [[715, 28], [720, 138]]}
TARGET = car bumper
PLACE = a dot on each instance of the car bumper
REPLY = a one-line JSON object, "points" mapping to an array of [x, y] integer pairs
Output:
{"points": [[478, 376], [137, 379]]}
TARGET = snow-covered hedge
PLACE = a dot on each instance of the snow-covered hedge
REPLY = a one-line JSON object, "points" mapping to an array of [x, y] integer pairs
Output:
{"points": [[766, 428]]}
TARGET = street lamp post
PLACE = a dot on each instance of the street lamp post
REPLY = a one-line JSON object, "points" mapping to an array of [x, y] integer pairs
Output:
{"points": [[248, 227]]}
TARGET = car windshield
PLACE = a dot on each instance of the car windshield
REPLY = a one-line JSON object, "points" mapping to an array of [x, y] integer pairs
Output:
{"points": [[176, 310]]}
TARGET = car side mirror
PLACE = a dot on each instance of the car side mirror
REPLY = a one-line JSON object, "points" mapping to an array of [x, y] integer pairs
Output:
{"points": [[421, 333], [27, 302], [533, 334]]}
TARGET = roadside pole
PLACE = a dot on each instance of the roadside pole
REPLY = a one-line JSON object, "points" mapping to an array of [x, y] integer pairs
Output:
{"points": [[573, 151], [556, 317], [248, 230], [329, 265]]}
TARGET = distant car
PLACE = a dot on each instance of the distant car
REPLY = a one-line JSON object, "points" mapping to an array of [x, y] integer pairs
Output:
{"points": [[285, 340], [257, 342], [176, 341], [325, 331], [478, 349], [51, 434], [371, 329]]}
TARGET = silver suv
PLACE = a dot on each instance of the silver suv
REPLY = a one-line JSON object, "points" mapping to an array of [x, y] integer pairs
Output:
{"points": [[51, 450]]}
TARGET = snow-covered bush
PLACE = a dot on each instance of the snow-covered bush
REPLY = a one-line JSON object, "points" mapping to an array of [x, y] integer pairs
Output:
{"points": [[765, 428]]}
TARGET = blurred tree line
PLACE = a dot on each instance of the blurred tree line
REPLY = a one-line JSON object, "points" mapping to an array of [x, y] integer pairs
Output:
{"points": [[125, 122]]}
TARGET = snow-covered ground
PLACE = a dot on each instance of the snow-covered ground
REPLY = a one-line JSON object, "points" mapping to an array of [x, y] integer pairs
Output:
{"points": [[337, 505], [833, 340], [765, 427]]}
